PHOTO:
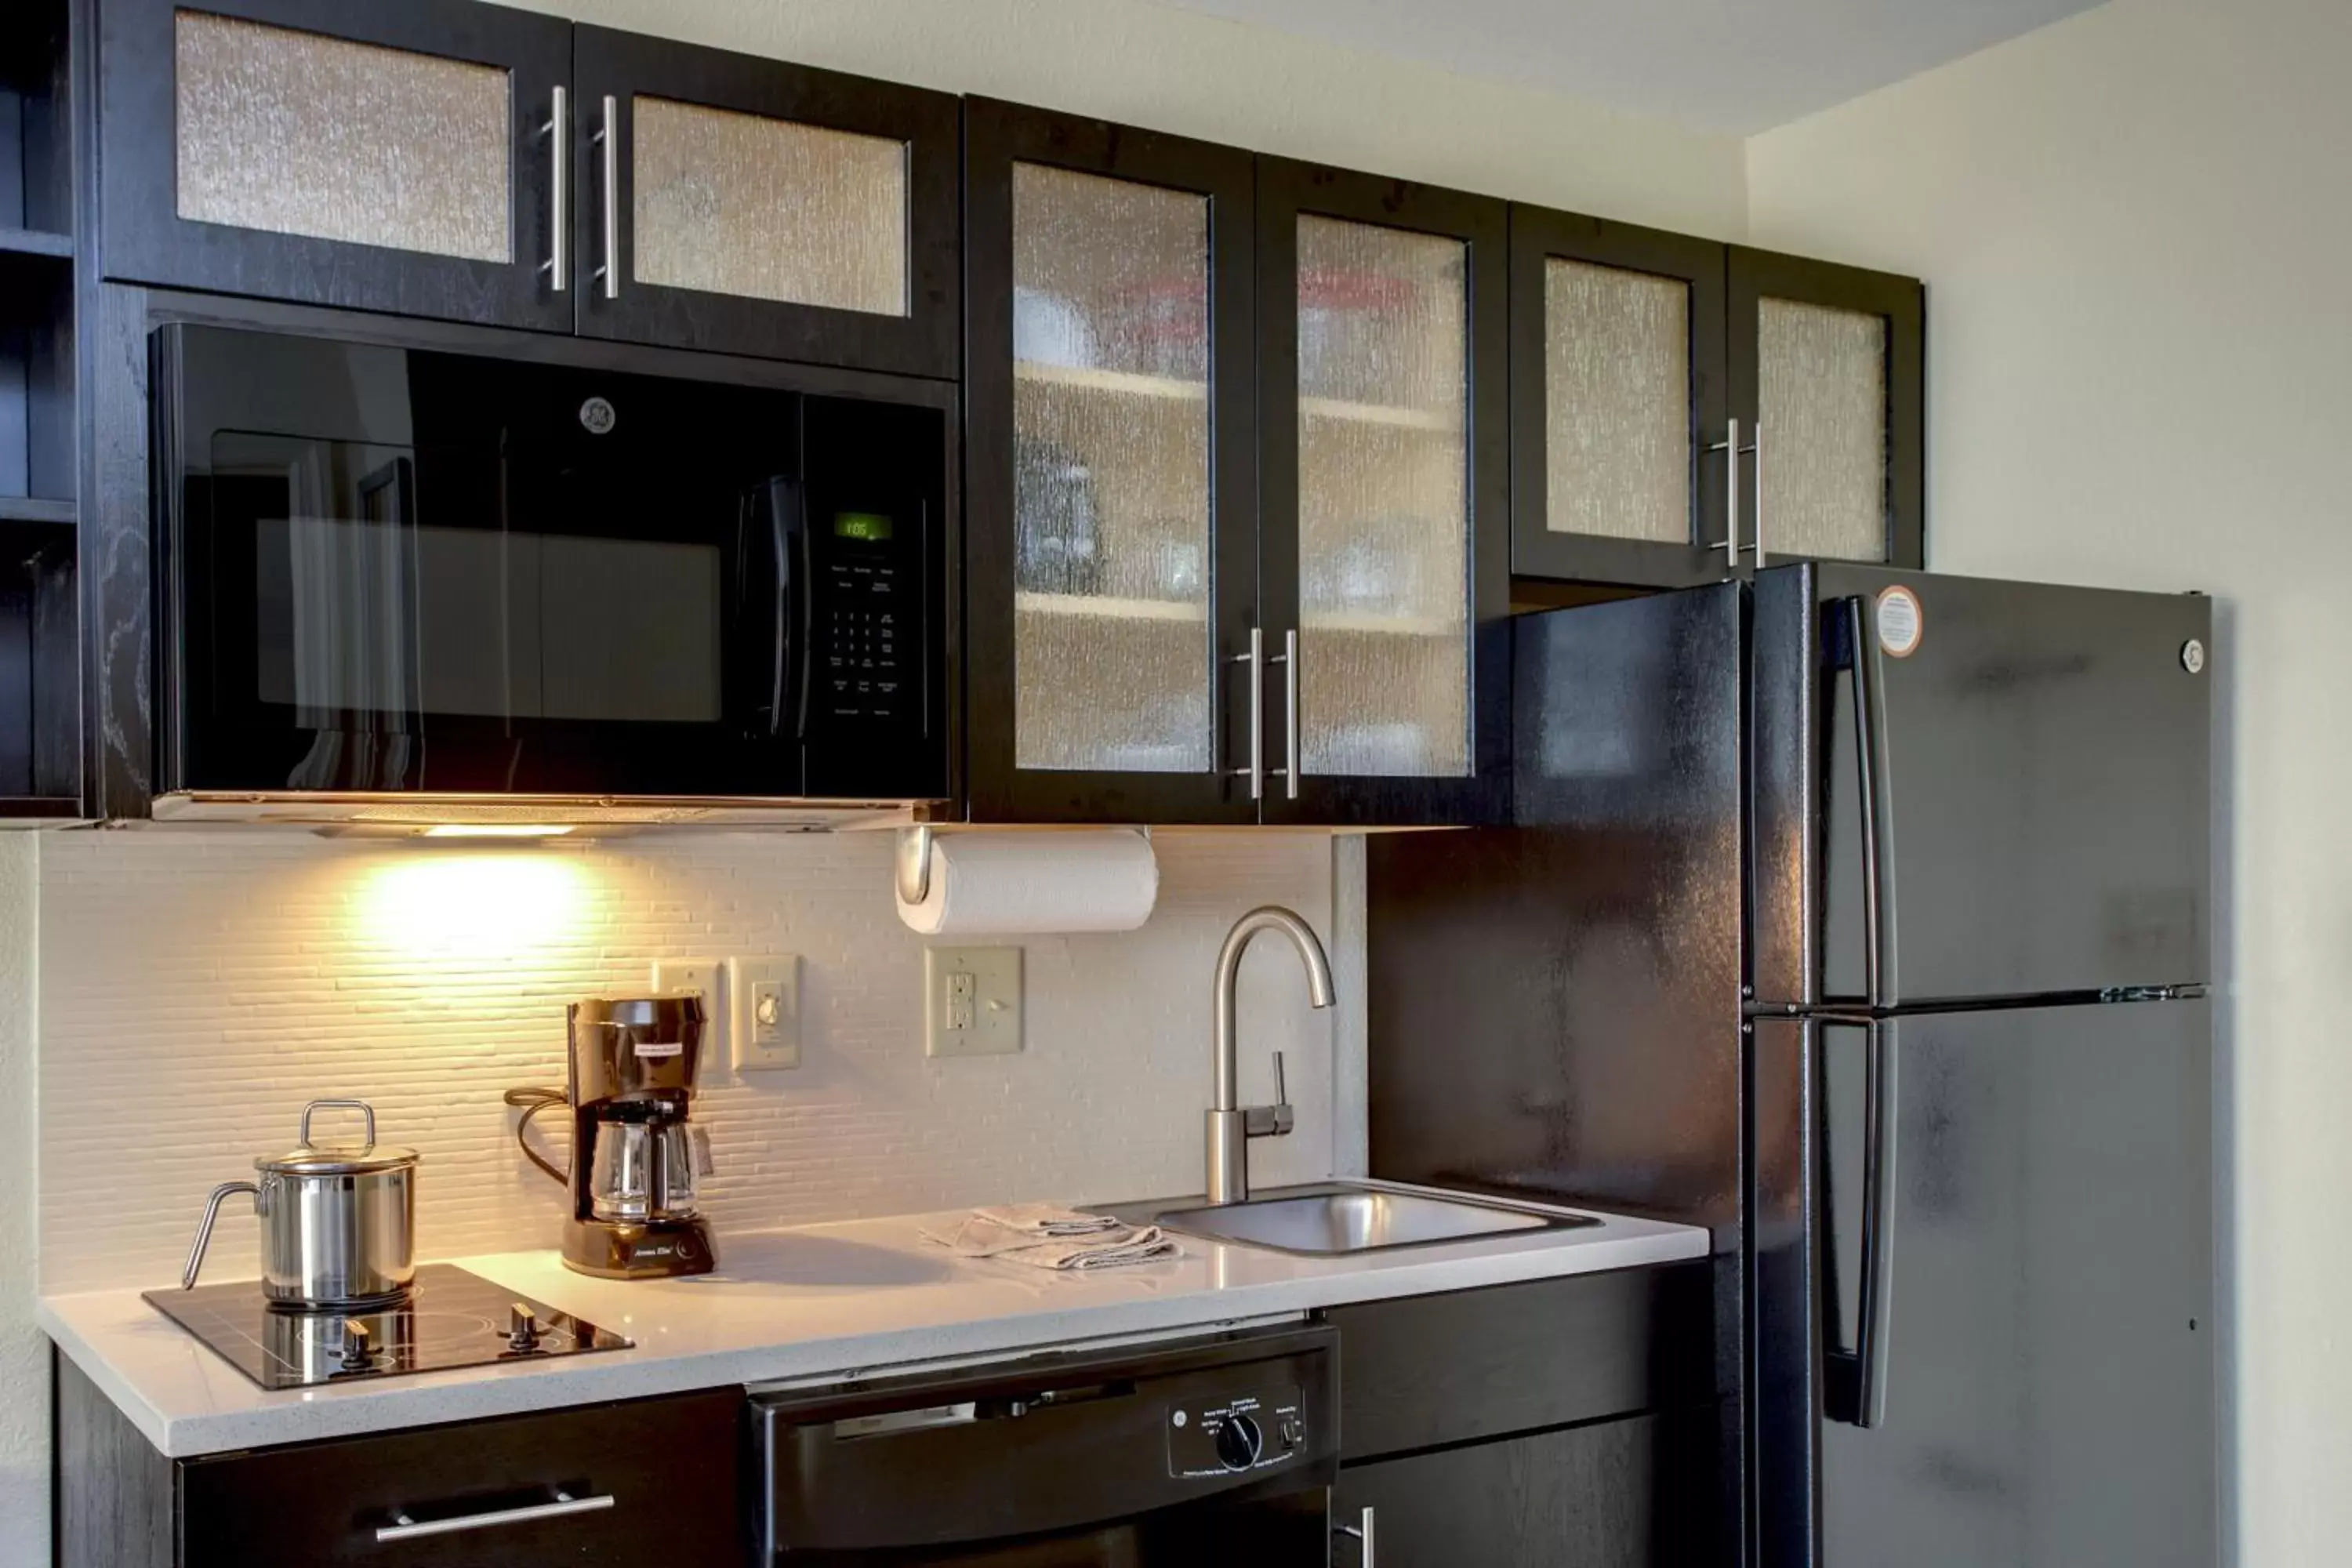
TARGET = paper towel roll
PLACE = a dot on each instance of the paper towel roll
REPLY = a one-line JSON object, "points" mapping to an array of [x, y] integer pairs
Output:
{"points": [[999, 884]]}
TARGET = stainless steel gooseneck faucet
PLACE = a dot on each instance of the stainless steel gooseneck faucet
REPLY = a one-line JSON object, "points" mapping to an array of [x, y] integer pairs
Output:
{"points": [[1230, 1127]]}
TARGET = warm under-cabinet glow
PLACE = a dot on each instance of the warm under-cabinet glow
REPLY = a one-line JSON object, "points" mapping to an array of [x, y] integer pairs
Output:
{"points": [[475, 907]]}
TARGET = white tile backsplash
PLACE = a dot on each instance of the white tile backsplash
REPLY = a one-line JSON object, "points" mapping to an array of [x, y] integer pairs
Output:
{"points": [[197, 987]]}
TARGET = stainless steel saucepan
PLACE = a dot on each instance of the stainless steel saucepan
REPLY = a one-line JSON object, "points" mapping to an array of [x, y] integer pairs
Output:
{"points": [[337, 1223]]}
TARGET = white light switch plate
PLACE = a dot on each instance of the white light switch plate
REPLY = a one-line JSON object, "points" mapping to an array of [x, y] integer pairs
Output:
{"points": [[972, 1001], [765, 1000]]}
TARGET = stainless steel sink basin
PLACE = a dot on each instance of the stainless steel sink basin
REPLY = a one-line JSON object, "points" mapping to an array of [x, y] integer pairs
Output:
{"points": [[1357, 1219]]}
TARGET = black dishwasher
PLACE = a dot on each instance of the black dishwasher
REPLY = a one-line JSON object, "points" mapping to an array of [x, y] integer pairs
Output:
{"points": [[1220, 1449]]}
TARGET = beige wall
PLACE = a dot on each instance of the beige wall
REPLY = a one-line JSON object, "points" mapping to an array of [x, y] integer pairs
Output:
{"points": [[2135, 228], [24, 1352], [1154, 65]]}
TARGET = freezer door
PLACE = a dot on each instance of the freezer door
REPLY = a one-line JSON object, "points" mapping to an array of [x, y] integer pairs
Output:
{"points": [[2039, 786], [2039, 1285]]}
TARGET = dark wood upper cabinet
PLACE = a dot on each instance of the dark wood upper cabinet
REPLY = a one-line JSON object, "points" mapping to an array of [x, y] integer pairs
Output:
{"points": [[479, 163], [1111, 562], [1620, 393], [1828, 382], [395, 158], [1384, 540], [734, 203]]}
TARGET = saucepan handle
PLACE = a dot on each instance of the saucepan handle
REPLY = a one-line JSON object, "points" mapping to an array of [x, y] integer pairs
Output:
{"points": [[204, 1227]]}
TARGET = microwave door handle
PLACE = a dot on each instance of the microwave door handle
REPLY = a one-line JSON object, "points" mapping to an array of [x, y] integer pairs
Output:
{"points": [[785, 522]]}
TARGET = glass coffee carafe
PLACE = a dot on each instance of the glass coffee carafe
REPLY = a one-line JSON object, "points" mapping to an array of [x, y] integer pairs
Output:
{"points": [[645, 1171]]}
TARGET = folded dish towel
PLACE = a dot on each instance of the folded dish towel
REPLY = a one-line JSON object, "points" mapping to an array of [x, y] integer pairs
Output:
{"points": [[1046, 1235]]}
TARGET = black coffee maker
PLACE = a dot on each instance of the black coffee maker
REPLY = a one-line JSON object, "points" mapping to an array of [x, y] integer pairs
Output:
{"points": [[636, 1159]]}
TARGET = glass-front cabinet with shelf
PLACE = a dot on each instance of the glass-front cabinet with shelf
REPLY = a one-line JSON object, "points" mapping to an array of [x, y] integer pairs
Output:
{"points": [[1111, 543], [1383, 555]]}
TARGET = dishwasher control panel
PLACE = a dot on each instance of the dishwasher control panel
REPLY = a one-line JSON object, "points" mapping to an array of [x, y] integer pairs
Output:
{"points": [[1231, 1433]]}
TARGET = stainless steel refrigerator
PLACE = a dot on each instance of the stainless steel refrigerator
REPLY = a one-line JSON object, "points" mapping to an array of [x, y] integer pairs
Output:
{"points": [[1865, 918]]}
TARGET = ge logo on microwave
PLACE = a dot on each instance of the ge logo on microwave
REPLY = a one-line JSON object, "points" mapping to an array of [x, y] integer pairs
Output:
{"points": [[597, 418]]}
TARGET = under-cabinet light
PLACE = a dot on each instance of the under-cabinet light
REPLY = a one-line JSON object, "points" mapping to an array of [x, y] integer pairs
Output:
{"points": [[497, 830]]}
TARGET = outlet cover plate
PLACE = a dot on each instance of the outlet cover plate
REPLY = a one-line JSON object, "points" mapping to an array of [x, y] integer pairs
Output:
{"points": [[707, 976], [972, 1001]]}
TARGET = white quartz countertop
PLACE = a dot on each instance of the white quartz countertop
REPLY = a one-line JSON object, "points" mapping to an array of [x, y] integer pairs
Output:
{"points": [[819, 1301]]}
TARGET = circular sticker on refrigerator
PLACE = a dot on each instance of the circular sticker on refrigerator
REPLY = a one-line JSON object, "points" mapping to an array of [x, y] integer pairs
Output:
{"points": [[1901, 622]]}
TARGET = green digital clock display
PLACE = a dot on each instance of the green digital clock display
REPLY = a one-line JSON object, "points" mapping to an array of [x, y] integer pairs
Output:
{"points": [[874, 527]]}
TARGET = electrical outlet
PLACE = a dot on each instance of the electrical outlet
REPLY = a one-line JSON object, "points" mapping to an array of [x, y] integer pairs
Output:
{"points": [[708, 977], [764, 998], [972, 1001]]}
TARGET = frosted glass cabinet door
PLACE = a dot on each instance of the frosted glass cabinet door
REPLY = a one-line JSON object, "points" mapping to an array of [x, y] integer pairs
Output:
{"points": [[396, 158], [1828, 376], [1386, 538], [1111, 545], [1618, 402], [744, 205]]}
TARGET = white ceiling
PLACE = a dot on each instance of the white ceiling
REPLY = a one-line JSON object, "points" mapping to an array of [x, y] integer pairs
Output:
{"points": [[1739, 65]]}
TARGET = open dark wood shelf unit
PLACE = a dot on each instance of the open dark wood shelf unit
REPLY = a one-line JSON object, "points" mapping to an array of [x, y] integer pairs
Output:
{"points": [[35, 242], [41, 654]]}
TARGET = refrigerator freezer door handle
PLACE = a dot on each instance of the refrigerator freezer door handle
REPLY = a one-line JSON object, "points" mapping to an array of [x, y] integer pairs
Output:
{"points": [[1869, 750]]}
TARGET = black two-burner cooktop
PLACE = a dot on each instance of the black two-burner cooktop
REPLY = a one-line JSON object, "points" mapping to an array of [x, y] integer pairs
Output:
{"points": [[451, 1318]]}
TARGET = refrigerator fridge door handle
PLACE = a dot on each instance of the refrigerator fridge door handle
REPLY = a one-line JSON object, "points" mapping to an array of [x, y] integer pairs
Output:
{"points": [[1869, 750], [1854, 1388], [1877, 1314]]}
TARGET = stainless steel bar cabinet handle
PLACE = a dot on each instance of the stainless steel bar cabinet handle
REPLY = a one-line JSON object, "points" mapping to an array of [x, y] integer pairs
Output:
{"points": [[404, 1528], [1255, 769], [558, 131], [608, 140]]}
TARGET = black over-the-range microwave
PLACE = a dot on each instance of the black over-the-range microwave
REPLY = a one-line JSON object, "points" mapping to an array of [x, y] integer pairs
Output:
{"points": [[400, 586]]}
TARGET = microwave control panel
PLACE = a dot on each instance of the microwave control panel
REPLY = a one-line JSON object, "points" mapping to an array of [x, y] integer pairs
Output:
{"points": [[868, 610]]}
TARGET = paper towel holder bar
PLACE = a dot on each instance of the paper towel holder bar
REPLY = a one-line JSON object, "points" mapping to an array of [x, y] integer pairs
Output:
{"points": [[914, 860]]}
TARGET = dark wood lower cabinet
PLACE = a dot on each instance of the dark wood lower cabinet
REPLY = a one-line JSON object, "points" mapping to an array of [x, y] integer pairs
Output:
{"points": [[647, 1481], [1616, 1494], [1567, 1422]]}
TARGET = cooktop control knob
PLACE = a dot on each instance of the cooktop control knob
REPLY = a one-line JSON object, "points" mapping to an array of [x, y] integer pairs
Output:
{"points": [[522, 1328], [1239, 1443]]}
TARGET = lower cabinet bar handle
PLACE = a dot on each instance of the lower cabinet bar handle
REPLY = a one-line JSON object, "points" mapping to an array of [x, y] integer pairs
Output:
{"points": [[1362, 1532], [404, 1528]]}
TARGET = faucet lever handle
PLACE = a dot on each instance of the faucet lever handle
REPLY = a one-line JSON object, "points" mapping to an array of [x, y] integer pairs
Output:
{"points": [[1273, 1120]]}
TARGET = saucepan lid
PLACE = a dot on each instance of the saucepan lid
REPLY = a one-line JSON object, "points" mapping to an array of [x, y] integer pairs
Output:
{"points": [[338, 1158]]}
